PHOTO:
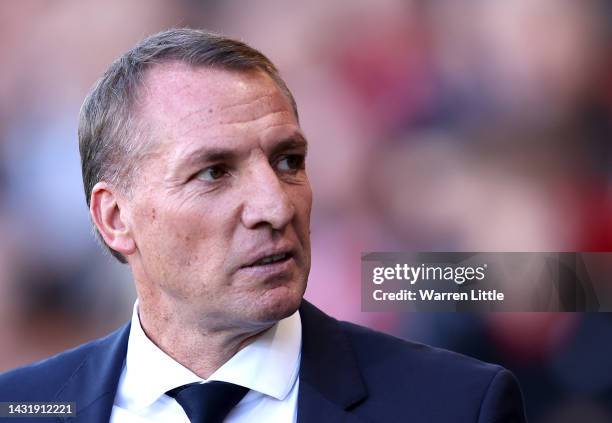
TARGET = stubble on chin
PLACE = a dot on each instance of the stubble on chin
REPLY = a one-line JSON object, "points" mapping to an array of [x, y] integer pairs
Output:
{"points": [[275, 304]]}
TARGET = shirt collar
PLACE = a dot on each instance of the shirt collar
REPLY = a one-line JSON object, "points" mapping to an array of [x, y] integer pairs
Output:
{"points": [[269, 365]]}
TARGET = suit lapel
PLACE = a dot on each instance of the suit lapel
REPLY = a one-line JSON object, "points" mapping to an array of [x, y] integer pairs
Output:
{"points": [[94, 383], [330, 379]]}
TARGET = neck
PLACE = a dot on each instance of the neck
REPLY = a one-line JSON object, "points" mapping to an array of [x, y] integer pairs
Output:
{"points": [[198, 345]]}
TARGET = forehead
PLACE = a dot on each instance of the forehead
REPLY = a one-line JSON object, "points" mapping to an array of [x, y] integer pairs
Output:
{"points": [[177, 92], [192, 111]]}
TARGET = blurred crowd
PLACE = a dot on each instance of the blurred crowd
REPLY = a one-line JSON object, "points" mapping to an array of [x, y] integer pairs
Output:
{"points": [[442, 125]]}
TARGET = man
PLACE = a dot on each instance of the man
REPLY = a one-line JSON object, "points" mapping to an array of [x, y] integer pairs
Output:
{"points": [[193, 165]]}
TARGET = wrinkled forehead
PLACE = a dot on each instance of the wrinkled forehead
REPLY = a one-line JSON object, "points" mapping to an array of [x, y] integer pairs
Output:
{"points": [[188, 108], [178, 92]]}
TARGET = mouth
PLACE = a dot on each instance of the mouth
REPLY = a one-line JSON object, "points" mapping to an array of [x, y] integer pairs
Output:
{"points": [[270, 260], [270, 267]]}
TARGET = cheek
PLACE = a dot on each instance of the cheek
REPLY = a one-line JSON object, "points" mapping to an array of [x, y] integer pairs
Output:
{"points": [[193, 237], [302, 200], [166, 235]]}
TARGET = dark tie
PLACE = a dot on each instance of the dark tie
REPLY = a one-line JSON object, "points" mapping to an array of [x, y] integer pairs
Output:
{"points": [[208, 402]]}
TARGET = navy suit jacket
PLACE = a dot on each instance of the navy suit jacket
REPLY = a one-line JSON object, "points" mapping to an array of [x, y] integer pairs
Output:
{"points": [[348, 374]]}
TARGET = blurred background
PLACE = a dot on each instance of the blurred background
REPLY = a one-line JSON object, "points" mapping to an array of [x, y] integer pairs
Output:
{"points": [[457, 125]]}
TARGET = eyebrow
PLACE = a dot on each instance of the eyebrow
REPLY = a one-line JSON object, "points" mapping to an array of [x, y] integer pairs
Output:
{"points": [[294, 142], [219, 154]]}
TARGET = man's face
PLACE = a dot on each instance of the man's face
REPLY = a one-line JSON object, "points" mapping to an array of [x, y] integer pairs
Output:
{"points": [[220, 208]]}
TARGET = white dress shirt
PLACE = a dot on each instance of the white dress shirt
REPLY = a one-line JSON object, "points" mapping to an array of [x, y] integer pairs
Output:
{"points": [[269, 367]]}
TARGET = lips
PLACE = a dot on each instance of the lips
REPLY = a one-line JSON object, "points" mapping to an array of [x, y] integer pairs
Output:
{"points": [[270, 258]]}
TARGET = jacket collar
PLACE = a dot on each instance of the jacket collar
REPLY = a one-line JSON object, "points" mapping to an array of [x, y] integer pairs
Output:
{"points": [[330, 379], [94, 382]]}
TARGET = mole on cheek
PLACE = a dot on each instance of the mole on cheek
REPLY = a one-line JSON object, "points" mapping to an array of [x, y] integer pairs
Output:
{"points": [[153, 214]]}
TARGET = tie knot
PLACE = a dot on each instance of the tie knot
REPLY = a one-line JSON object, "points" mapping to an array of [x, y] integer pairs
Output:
{"points": [[208, 402]]}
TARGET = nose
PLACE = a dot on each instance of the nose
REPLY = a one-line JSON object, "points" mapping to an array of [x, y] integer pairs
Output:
{"points": [[266, 201]]}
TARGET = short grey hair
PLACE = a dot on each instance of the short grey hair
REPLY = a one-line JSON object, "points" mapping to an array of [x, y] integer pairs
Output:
{"points": [[110, 140]]}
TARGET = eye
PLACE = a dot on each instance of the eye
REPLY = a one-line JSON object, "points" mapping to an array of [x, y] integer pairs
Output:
{"points": [[212, 173], [290, 163]]}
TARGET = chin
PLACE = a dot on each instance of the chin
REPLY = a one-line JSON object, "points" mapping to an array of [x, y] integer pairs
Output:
{"points": [[278, 303]]}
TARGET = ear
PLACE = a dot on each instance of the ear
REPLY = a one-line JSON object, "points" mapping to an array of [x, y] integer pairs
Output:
{"points": [[106, 215]]}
